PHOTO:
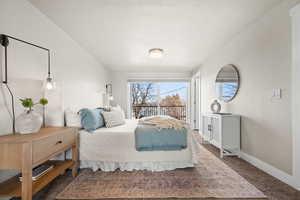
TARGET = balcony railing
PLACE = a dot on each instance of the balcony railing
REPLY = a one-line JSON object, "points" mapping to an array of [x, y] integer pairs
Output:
{"points": [[178, 112]]}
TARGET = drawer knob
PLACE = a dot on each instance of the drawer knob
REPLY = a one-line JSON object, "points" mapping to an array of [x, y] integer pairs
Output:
{"points": [[58, 142]]}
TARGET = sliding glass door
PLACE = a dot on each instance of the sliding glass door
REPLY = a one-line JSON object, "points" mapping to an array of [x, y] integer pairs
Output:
{"points": [[159, 98]]}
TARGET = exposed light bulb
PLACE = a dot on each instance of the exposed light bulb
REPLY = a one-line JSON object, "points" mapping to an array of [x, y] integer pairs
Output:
{"points": [[49, 84], [111, 98]]}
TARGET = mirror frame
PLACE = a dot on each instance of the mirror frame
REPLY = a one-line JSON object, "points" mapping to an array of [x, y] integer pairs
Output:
{"points": [[239, 82]]}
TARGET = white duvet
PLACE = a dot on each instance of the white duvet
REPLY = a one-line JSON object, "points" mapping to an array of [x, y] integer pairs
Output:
{"points": [[109, 149]]}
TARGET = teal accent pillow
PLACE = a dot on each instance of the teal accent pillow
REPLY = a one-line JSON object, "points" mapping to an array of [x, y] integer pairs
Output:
{"points": [[91, 119]]}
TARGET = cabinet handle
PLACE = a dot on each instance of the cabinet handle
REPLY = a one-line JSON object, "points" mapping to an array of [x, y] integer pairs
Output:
{"points": [[58, 142], [210, 127]]}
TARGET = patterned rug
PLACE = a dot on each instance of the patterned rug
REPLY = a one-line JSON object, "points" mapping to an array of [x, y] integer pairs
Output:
{"points": [[211, 178]]}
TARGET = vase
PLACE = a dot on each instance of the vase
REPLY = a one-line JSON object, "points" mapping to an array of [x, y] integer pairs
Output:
{"points": [[215, 107], [29, 122]]}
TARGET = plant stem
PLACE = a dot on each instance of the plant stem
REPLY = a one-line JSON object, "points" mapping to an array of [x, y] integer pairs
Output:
{"points": [[44, 123]]}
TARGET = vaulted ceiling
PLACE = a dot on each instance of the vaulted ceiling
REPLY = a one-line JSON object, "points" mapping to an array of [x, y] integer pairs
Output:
{"points": [[119, 33]]}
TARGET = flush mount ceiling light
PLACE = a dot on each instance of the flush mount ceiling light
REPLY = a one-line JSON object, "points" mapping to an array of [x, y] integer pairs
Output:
{"points": [[156, 53]]}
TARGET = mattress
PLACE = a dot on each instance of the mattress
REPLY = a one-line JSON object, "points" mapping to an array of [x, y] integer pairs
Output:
{"points": [[109, 149]]}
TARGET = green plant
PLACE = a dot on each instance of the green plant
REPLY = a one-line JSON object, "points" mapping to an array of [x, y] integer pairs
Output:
{"points": [[28, 103], [43, 101]]}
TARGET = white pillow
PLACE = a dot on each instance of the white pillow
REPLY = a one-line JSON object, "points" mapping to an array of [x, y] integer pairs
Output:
{"points": [[118, 108], [113, 118], [72, 118]]}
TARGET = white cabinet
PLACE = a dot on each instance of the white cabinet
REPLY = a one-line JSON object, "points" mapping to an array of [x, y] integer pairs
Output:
{"points": [[224, 132]]}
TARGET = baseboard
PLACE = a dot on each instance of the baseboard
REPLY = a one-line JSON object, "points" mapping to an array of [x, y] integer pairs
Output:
{"points": [[283, 176]]}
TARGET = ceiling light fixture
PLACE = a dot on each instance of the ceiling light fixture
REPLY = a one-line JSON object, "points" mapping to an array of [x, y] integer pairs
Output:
{"points": [[156, 53]]}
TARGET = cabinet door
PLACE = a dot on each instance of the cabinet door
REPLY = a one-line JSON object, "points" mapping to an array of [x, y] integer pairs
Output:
{"points": [[206, 127], [215, 133]]}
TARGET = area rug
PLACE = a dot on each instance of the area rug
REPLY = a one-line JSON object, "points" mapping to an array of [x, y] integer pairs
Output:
{"points": [[211, 178]]}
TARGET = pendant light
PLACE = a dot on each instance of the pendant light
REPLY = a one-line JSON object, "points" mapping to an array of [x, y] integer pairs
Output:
{"points": [[4, 41], [50, 85]]}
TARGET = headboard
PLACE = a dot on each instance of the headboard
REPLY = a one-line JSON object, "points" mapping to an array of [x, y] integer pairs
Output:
{"points": [[73, 96]]}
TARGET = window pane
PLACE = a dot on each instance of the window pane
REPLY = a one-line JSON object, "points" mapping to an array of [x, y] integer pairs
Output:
{"points": [[144, 99], [159, 98], [173, 99], [173, 93]]}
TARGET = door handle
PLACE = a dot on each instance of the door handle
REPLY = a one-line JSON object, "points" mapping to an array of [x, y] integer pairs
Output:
{"points": [[58, 142]]}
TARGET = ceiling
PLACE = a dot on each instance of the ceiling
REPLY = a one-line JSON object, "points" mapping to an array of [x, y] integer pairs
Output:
{"points": [[119, 33]]}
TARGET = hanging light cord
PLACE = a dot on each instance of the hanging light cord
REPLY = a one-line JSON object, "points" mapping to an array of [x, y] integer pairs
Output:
{"points": [[4, 41], [12, 108]]}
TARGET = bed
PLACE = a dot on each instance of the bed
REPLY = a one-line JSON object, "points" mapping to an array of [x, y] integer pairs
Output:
{"points": [[109, 149]]}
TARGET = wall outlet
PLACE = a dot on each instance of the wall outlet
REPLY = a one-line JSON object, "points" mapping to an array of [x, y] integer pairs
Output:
{"points": [[277, 93]]}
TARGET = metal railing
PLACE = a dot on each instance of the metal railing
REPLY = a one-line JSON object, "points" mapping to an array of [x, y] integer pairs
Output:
{"points": [[178, 112]]}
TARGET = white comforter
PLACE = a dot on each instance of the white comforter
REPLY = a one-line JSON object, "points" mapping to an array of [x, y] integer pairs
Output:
{"points": [[111, 148]]}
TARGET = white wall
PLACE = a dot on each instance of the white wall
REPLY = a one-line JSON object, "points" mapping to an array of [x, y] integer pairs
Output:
{"points": [[295, 13], [262, 53], [80, 77], [78, 73]]}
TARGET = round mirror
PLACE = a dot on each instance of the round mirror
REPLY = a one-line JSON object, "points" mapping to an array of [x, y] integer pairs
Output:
{"points": [[227, 83]]}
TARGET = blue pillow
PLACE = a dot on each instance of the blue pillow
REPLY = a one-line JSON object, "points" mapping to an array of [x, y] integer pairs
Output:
{"points": [[91, 119]]}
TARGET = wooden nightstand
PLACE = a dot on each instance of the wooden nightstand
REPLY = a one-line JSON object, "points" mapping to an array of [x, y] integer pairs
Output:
{"points": [[24, 152]]}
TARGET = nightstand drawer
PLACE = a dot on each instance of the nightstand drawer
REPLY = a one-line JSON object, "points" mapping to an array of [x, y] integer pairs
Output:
{"points": [[42, 149]]}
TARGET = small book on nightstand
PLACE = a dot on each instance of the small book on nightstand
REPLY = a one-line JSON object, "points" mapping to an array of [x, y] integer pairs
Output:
{"points": [[39, 171]]}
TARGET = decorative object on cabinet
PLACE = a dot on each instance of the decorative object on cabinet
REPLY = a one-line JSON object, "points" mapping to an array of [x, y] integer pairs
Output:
{"points": [[25, 152], [227, 83], [223, 131], [30, 121], [215, 107], [4, 41]]}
